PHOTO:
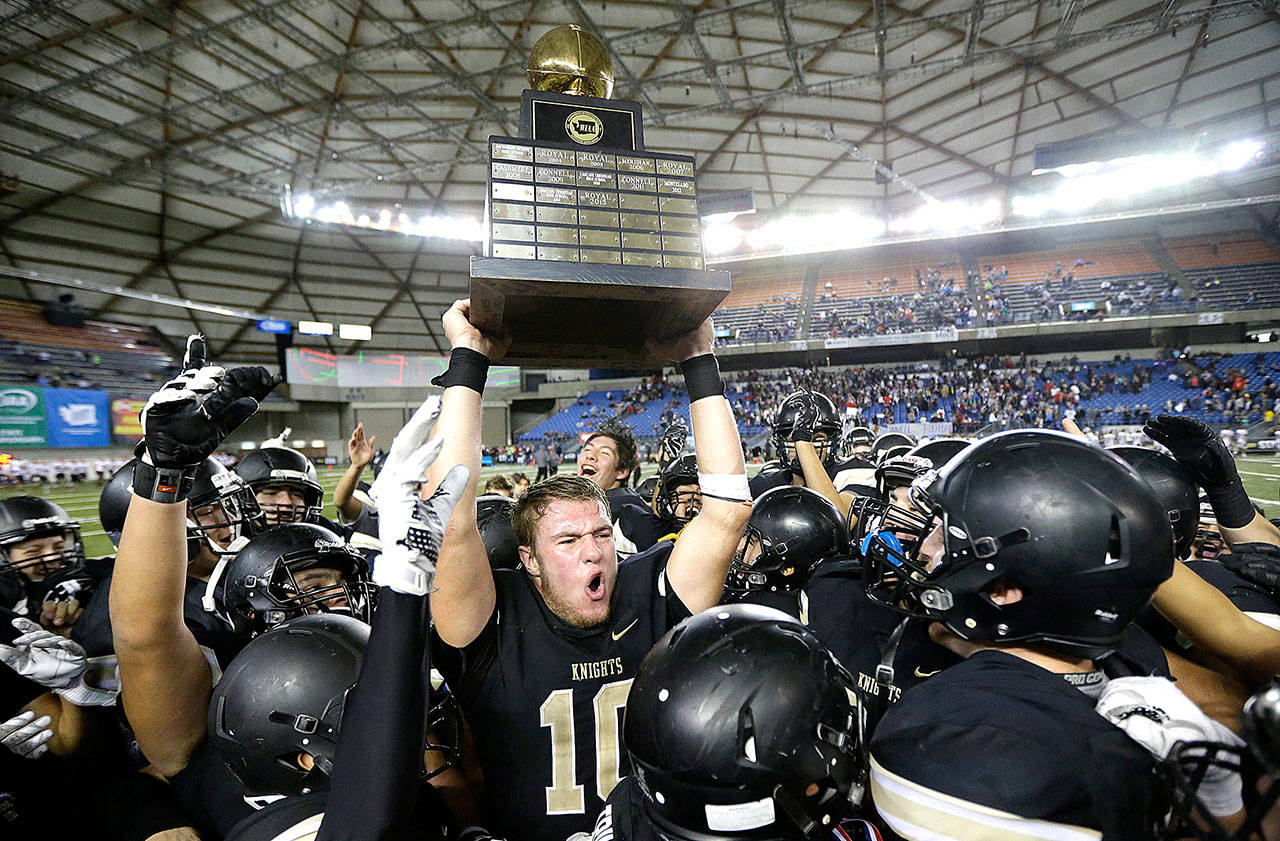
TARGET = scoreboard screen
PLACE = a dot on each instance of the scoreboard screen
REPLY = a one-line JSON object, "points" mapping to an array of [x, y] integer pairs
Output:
{"points": [[307, 366]]}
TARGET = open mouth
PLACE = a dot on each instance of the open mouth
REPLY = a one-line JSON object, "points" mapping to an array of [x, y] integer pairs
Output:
{"points": [[588, 470], [595, 586]]}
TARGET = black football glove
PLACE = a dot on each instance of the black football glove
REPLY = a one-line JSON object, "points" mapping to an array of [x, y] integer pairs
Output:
{"points": [[1257, 563], [672, 444], [806, 418], [1199, 449], [186, 420]]}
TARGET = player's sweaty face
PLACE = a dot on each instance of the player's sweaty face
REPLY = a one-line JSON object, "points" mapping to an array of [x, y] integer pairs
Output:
{"points": [[575, 561]]}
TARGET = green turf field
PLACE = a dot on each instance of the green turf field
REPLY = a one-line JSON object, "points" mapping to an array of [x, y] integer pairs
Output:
{"points": [[1261, 477]]}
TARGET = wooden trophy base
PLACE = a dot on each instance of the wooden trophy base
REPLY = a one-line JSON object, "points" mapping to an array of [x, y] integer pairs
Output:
{"points": [[589, 315]]}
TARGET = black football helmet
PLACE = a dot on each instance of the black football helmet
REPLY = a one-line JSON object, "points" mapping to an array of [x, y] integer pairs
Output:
{"points": [[1072, 526], [493, 518], [795, 529], [890, 444], [940, 450], [856, 441], [828, 423], [223, 502], [900, 472], [1174, 488], [271, 466], [284, 694], [682, 471], [258, 588], [24, 518], [1190, 762], [740, 725], [647, 487]]}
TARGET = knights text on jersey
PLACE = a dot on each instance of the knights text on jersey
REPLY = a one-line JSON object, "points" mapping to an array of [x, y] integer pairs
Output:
{"points": [[858, 631], [544, 700], [998, 748]]}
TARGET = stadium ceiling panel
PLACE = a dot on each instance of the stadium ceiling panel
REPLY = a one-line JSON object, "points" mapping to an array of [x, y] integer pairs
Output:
{"points": [[149, 145]]}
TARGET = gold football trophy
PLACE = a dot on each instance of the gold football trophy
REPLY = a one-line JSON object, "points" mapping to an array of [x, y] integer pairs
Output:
{"points": [[594, 244]]}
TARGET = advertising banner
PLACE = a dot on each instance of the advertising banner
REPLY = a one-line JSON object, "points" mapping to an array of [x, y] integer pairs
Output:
{"points": [[78, 417], [125, 418], [21, 417]]}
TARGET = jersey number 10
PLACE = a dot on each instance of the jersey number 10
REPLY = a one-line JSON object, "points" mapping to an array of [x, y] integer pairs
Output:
{"points": [[565, 795]]}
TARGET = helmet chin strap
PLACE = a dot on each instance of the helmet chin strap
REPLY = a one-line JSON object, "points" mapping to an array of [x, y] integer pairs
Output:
{"points": [[207, 601]]}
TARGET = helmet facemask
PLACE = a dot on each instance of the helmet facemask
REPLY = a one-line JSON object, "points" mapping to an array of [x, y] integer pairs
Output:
{"points": [[232, 513], [69, 552], [1186, 767], [282, 513], [295, 598], [669, 502], [889, 539]]}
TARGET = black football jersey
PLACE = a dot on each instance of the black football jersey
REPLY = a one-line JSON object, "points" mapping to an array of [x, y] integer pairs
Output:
{"points": [[210, 793], [640, 527], [544, 700], [858, 631], [850, 474], [996, 734], [773, 474], [299, 818], [620, 496], [93, 629]]}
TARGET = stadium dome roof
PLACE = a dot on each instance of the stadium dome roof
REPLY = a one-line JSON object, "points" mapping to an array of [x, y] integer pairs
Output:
{"points": [[151, 145]]}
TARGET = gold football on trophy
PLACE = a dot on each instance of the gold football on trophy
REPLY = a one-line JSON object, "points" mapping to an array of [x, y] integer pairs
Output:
{"points": [[569, 60]]}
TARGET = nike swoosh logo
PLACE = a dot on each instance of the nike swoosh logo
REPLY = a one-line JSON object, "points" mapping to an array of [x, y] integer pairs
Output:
{"points": [[617, 635], [926, 674]]}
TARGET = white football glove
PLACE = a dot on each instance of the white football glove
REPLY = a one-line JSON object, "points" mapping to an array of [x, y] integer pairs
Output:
{"points": [[1157, 715], [42, 656], [409, 528], [25, 735]]}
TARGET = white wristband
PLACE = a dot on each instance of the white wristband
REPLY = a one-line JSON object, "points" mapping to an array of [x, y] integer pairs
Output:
{"points": [[395, 569], [731, 487]]}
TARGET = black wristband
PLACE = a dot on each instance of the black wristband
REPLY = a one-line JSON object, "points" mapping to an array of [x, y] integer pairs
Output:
{"points": [[466, 368], [1231, 505], [162, 484], [702, 377]]}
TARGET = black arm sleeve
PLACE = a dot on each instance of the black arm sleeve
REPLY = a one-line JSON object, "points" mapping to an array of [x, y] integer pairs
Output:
{"points": [[379, 758]]}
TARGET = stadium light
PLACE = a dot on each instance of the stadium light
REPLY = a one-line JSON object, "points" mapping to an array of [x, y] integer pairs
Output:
{"points": [[355, 332], [315, 328], [317, 444], [384, 219], [1085, 185], [1240, 154]]}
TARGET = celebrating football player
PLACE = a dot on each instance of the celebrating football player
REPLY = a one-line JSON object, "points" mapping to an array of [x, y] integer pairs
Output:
{"points": [[534, 653]]}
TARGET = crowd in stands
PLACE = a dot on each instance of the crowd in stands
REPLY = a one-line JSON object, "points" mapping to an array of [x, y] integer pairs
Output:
{"points": [[1077, 289], [973, 394]]}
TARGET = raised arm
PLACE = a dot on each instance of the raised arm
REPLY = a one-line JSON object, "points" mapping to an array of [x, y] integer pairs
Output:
{"points": [[464, 596], [165, 679], [360, 452], [1218, 628], [1199, 449], [815, 473], [379, 756], [700, 559]]}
